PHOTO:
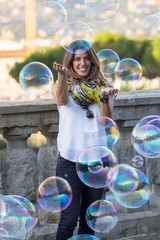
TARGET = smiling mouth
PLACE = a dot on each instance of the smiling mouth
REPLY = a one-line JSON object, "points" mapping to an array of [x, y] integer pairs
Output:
{"points": [[83, 69]]}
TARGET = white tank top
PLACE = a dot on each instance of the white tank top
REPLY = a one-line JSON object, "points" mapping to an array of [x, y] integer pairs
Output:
{"points": [[72, 120]]}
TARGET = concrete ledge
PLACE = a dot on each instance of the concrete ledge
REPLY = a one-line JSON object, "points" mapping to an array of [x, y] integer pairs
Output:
{"points": [[138, 225], [133, 224]]}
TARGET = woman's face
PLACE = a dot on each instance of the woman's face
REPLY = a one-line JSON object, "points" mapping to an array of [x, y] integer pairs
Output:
{"points": [[82, 64]]}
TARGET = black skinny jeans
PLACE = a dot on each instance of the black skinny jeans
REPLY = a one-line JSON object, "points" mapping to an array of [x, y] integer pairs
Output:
{"points": [[83, 196]]}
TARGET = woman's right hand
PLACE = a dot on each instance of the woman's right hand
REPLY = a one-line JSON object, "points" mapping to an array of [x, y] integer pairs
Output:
{"points": [[60, 89], [59, 68]]}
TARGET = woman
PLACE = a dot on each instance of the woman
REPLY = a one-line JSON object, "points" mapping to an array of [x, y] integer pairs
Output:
{"points": [[81, 92]]}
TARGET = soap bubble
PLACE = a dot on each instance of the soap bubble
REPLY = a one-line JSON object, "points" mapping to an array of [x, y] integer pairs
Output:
{"points": [[140, 9], [54, 194], [126, 180], [139, 196], [101, 10], [101, 216], [128, 71], [146, 136], [101, 131], [51, 16], [150, 27], [36, 78], [137, 161], [108, 60], [95, 166], [76, 36], [131, 99], [14, 219]]}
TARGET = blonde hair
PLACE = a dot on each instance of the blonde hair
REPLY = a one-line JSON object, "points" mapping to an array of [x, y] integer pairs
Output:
{"points": [[94, 75]]}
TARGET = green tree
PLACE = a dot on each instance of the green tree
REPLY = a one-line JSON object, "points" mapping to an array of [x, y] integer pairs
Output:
{"points": [[51, 55]]}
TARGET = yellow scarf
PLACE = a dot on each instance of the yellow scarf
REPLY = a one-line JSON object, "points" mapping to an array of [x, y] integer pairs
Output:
{"points": [[85, 93]]}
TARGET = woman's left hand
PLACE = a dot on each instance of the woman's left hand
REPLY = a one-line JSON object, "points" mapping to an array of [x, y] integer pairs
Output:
{"points": [[108, 91]]}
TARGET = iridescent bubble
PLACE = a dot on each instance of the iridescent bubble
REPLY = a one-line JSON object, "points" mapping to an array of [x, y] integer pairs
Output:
{"points": [[101, 216], [76, 36], [13, 217], [95, 166], [146, 136], [139, 196], [131, 99], [32, 219], [141, 8], [51, 16], [150, 27], [128, 71], [137, 161], [126, 180], [54, 194], [108, 60], [83, 237], [36, 79], [101, 10], [101, 131]]}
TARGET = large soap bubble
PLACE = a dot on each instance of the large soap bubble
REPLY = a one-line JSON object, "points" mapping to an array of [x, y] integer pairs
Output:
{"points": [[95, 166], [50, 16], [15, 219], [76, 36], [101, 10], [126, 180], [36, 79], [150, 27], [140, 9], [101, 131], [146, 136], [128, 71], [54, 194], [108, 60], [139, 196], [101, 216]]}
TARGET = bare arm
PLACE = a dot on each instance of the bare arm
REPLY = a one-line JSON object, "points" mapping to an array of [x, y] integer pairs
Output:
{"points": [[60, 89], [107, 108]]}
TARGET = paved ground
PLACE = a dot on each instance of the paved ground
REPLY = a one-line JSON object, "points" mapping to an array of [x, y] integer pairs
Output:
{"points": [[148, 236]]}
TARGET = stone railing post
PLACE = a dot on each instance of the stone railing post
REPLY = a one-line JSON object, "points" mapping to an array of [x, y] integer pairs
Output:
{"points": [[47, 154], [19, 164]]}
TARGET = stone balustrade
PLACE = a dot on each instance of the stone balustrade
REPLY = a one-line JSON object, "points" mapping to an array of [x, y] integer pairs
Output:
{"points": [[21, 169]]}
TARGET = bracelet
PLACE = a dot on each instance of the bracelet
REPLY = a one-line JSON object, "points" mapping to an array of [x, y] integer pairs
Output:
{"points": [[104, 99]]}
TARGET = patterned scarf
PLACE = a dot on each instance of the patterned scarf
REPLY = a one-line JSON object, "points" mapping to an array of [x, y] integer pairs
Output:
{"points": [[84, 93]]}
